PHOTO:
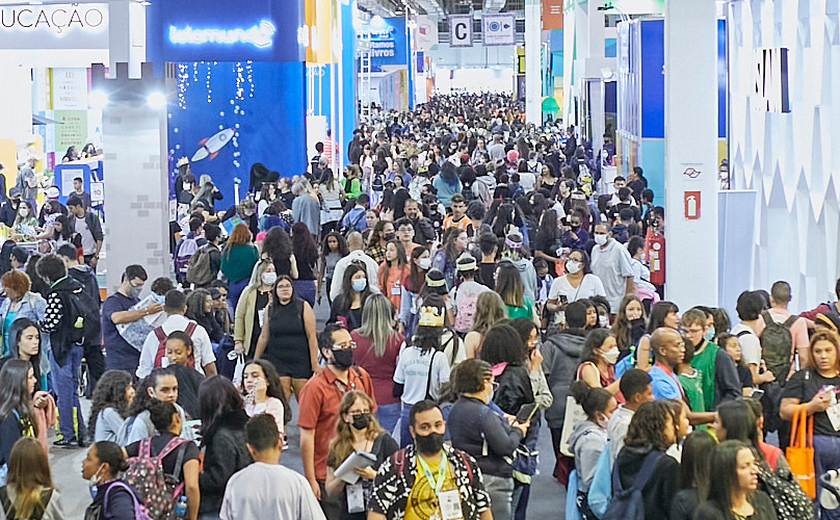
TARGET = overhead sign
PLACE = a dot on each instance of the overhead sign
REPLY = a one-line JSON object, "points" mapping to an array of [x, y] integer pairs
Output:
{"points": [[54, 26], [387, 42], [460, 30], [427, 33], [498, 29]]}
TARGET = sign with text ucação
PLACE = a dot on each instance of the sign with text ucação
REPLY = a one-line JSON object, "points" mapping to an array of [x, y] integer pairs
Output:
{"points": [[54, 26]]}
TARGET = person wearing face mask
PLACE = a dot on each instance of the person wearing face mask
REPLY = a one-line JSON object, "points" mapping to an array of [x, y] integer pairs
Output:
{"points": [[589, 437], [629, 325], [429, 478], [598, 358], [318, 402], [356, 245], [483, 433], [112, 497], [611, 262], [577, 284], [575, 236], [718, 378], [250, 311], [117, 309], [347, 307], [357, 431]]}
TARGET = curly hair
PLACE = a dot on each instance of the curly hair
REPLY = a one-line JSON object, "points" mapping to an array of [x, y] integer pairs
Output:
{"points": [[303, 245], [502, 344], [647, 428], [109, 393], [277, 244]]}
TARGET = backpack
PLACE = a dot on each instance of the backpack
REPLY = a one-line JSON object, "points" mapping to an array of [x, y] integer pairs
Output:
{"points": [[789, 500], [629, 504], [185, 251], [600, 490], [377, 184], [161, 350], [83, 313], [9, 508], [97, 513], [354, 224], [466, 312], [776, 342], [198, 267], [156, 492]]}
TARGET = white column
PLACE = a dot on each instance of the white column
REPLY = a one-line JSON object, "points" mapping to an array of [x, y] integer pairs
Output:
{"points": [[533, 76], [691, 261], [127, 35], [15, 103]]}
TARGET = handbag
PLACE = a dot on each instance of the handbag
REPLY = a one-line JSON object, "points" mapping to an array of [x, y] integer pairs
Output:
{"points": [[573, 414], [800, 453]]}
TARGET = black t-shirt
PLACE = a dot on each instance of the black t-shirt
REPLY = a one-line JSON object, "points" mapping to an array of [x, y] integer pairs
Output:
{"points": [[804, 385], [261, 303], [188, 382], [158, 443]]}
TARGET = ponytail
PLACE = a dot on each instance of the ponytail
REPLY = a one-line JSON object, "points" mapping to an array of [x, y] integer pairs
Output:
{"points": [[592, 400]]}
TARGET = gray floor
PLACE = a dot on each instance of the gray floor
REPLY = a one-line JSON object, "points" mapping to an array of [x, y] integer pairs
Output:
{"points": [[547, 496]]}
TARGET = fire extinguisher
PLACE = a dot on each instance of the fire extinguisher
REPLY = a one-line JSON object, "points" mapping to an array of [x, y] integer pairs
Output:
{"points": [[655, 255]]}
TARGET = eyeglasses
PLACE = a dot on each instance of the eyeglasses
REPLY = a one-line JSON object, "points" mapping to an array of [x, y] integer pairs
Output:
{"points": [[346, 346], [284, 287]]}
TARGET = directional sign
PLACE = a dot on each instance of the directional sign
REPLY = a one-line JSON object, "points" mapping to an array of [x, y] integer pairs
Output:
{"points": [[498, 29], [460, 30]]}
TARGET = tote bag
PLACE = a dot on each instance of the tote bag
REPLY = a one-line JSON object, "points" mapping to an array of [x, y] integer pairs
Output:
{"points": [[800, 453], [574, 414]]}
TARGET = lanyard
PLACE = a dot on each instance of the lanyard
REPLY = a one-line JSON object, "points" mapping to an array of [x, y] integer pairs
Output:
{"points": [[441, 471]]}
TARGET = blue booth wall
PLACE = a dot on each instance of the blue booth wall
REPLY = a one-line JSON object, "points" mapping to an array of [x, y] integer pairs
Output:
{"points": [[268, 126]]}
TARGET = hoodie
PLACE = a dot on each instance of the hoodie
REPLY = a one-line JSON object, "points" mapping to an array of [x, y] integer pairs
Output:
{"points": [[587, 442], [561, 357], [86, 276], [529, 277]]}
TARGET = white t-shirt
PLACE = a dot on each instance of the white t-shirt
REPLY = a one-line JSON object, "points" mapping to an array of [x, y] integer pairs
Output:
{"points": [[88, 243], [589, 286], [612, 265], [253, 492], [527, 180], [202, 348], [413, 372], [750, 344]]}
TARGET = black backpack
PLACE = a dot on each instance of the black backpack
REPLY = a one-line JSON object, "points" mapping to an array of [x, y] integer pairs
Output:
{"points": [[83, 315], [629, 504], [776, 343]]}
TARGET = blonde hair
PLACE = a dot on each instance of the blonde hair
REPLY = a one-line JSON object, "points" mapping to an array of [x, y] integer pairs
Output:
{"points": [[489, 310], [341, 446], [29, 475]]}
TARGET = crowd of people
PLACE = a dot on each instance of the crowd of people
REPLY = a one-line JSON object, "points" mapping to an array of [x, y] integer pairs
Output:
{"points": [[483, 280]]}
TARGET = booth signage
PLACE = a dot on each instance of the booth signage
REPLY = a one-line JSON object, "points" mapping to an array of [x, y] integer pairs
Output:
{"points": [[387, 42], [771, 80], [498, 29], [460, 31], [66, 26]]}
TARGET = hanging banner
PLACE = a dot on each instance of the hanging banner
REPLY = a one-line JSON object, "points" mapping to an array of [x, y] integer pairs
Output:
{"points": [[460, 30], [552, 14], [498, 29], [427, 33]]}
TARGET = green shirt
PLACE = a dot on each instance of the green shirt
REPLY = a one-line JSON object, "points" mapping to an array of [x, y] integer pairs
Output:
{"points": [[693, 388], [354, 190], [238, 262], [704, 362], [521, 312]]}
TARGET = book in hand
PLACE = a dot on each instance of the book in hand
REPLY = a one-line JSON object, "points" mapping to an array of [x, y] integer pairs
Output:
{"points": [[357, 459]]}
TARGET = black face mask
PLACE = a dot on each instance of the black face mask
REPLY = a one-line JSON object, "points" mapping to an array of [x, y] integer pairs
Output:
{"points": [[361, 421], [389, 236], [343, 359], [429, 444], [638, 323]]}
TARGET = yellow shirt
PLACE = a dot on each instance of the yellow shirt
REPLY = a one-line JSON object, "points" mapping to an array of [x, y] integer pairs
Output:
{"points": [[422, 501]]}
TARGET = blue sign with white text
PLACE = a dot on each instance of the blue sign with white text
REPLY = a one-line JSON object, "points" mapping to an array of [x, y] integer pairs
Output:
{"points": [[387, 42], [221, 30]]}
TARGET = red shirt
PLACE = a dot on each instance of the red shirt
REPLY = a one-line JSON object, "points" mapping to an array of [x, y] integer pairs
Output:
{"points": [[381, 369], [319, 400]]}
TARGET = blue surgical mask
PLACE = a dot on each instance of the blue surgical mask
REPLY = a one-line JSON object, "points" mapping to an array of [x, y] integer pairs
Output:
{"points": [[359, 284], [710, 334]]}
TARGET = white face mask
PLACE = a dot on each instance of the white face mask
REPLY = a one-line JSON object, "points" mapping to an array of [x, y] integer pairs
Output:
{"points": [[604, 321], [603, 421], [600, 239], [424, 263], [269, 278], [611, 356], [23, 212], [573, 266]]}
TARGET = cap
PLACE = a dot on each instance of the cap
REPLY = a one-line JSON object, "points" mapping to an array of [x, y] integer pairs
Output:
{"points": [[829, 319], [466, 262], [52, 192], [14, 192]]}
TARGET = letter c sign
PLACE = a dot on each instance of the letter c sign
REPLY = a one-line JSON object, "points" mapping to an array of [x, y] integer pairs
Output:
{"points": [[460, 31]]}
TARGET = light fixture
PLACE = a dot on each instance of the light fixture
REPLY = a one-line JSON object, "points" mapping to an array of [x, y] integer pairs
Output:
{"points": [[97, 99], [156, 100]]}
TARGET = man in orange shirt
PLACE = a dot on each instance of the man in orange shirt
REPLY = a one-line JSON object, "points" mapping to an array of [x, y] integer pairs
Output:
{"points": [[458, 218], [319, 400]]}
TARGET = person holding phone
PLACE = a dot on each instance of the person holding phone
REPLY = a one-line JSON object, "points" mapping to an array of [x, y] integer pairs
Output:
{"points": [[577, 284]]}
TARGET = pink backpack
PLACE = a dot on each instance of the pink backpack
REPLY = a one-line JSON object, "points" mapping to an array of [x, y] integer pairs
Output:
{"points": [[466, 312], [156, 492]]}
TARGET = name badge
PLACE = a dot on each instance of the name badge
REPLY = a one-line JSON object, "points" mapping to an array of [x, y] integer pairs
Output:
{"points": [[355, 498], [450, 505]]}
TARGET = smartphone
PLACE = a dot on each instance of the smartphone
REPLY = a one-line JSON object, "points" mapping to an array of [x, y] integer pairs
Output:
{"points": [[563, 299], [526, 412], [757, 393]]}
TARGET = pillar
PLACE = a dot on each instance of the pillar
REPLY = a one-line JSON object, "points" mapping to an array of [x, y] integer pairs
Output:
{"points": [[127, 35], [533, 60], [691, 199]]}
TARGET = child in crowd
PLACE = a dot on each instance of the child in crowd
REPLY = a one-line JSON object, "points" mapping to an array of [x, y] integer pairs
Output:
{"points": [[730, 344], [263, 393]]}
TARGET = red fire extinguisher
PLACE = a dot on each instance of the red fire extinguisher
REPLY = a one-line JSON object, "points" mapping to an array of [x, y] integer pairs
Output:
{"points": [[655, 255]]}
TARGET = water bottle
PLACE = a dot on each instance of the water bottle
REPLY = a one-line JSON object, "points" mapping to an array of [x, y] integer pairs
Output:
{"points": [[181, 507]]}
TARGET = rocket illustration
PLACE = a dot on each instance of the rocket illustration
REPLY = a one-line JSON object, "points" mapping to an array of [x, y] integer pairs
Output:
{"points": [[210, 146]]}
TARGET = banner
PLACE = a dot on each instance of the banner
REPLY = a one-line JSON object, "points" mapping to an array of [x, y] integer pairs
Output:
{"points": [[498, 29], [460, 30], [427, 33]]}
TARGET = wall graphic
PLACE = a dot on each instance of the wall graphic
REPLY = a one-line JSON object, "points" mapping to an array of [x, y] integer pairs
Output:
{"points": [[792, 160]]}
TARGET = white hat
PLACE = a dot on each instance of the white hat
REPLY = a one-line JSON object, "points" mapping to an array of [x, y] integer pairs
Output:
{"points": [[52, 192]]}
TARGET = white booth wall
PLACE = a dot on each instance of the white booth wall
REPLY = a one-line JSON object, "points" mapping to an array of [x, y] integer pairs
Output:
{"points": [[790, 160], [499, 79]]}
